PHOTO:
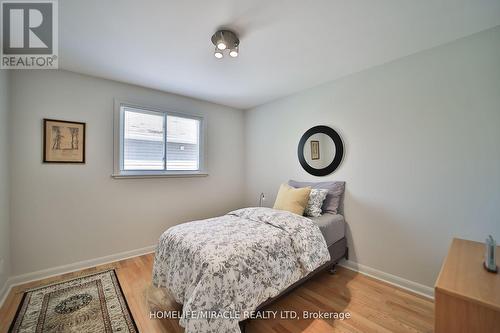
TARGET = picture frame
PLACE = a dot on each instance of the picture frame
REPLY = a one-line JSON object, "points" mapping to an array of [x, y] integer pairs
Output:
{"points": [[315, 150], [63, 141]]}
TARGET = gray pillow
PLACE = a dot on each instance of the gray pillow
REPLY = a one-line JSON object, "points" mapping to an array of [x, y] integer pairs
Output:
{"points": [[335, 193]]}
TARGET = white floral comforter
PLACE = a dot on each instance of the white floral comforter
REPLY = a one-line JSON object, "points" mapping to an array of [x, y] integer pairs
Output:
{"points": [[233, 263]]}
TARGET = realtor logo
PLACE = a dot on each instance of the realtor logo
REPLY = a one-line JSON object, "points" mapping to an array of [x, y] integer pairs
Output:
{"points": [[29, 34]]}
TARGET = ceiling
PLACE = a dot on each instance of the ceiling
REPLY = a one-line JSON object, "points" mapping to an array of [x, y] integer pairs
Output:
{"points": [[286, 45]]}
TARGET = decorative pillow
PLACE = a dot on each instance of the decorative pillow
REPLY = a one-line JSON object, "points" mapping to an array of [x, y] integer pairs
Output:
{"points": [[291, 199], [315, 202], [335, 193]]}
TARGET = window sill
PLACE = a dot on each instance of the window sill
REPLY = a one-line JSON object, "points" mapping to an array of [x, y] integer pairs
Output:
{"points": [[146, 174]]}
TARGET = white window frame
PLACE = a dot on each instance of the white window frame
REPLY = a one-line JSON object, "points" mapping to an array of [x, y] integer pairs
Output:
{"points": [[118, 145]]}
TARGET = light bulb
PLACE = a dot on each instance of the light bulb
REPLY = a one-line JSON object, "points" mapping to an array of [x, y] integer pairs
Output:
{"points": [[233, 52], [221, 46], [218, 54]]}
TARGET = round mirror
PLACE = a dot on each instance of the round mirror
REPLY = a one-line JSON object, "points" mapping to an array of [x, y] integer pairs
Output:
{"points": [[320, 150]]}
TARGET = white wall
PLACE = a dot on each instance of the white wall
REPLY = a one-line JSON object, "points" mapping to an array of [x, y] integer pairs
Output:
{"points": [[422, 161], [4, 178], [62, 214]]}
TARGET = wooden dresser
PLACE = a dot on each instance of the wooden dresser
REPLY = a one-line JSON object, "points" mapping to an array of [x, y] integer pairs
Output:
{"points": [[467, 297]]}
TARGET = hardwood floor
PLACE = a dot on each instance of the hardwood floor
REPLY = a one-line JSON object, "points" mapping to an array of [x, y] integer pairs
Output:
{"points": [[373, 305]]}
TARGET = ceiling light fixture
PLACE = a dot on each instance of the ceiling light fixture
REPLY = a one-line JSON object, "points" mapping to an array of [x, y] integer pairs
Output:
{"points": [[225, 39]]}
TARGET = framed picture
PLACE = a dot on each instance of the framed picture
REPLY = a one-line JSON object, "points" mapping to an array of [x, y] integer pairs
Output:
{"points": [[314, 150], [63, 141]]}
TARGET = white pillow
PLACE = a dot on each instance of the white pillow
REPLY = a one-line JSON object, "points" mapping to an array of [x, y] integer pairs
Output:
{"points": [[316, 198]]}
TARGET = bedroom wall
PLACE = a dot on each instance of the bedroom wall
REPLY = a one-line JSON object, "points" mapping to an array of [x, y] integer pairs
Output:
{"points": [[422, 161], [4, 179], [63, 214]]}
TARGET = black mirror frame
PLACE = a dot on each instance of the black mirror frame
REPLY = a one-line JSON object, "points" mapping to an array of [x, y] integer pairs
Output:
{"points": [[339, 150]]}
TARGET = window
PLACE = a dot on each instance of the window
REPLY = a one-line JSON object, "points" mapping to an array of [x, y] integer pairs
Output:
{"points": [[152, 142]]}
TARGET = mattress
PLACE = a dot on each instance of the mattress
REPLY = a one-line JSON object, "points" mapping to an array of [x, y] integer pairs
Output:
{"points": [[332, 227]]}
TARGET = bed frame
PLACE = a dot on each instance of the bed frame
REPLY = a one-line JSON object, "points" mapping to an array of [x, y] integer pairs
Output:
{"points": [[338, 251]]}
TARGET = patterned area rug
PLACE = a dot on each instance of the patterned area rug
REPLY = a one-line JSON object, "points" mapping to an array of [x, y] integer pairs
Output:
{"points": [[92, 303]]}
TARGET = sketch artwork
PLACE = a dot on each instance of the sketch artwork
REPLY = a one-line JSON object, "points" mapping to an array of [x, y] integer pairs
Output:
{"points": [[64, 141]]}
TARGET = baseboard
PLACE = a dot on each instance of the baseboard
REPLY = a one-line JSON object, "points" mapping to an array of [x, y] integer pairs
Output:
{"points": [[4, 291], [46, 273], [397, 281]]}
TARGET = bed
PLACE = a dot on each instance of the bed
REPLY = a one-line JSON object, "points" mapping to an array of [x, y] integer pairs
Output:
{"points": [[224, 268], [332, 227]]}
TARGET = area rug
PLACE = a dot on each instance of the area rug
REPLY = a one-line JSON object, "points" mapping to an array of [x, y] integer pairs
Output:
{"points": [[92, 303]]}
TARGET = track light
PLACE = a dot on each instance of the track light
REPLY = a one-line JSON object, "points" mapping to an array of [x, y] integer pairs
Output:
{"points": [[218, 53], [234, 52], [225, 39], [221, 46]]}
